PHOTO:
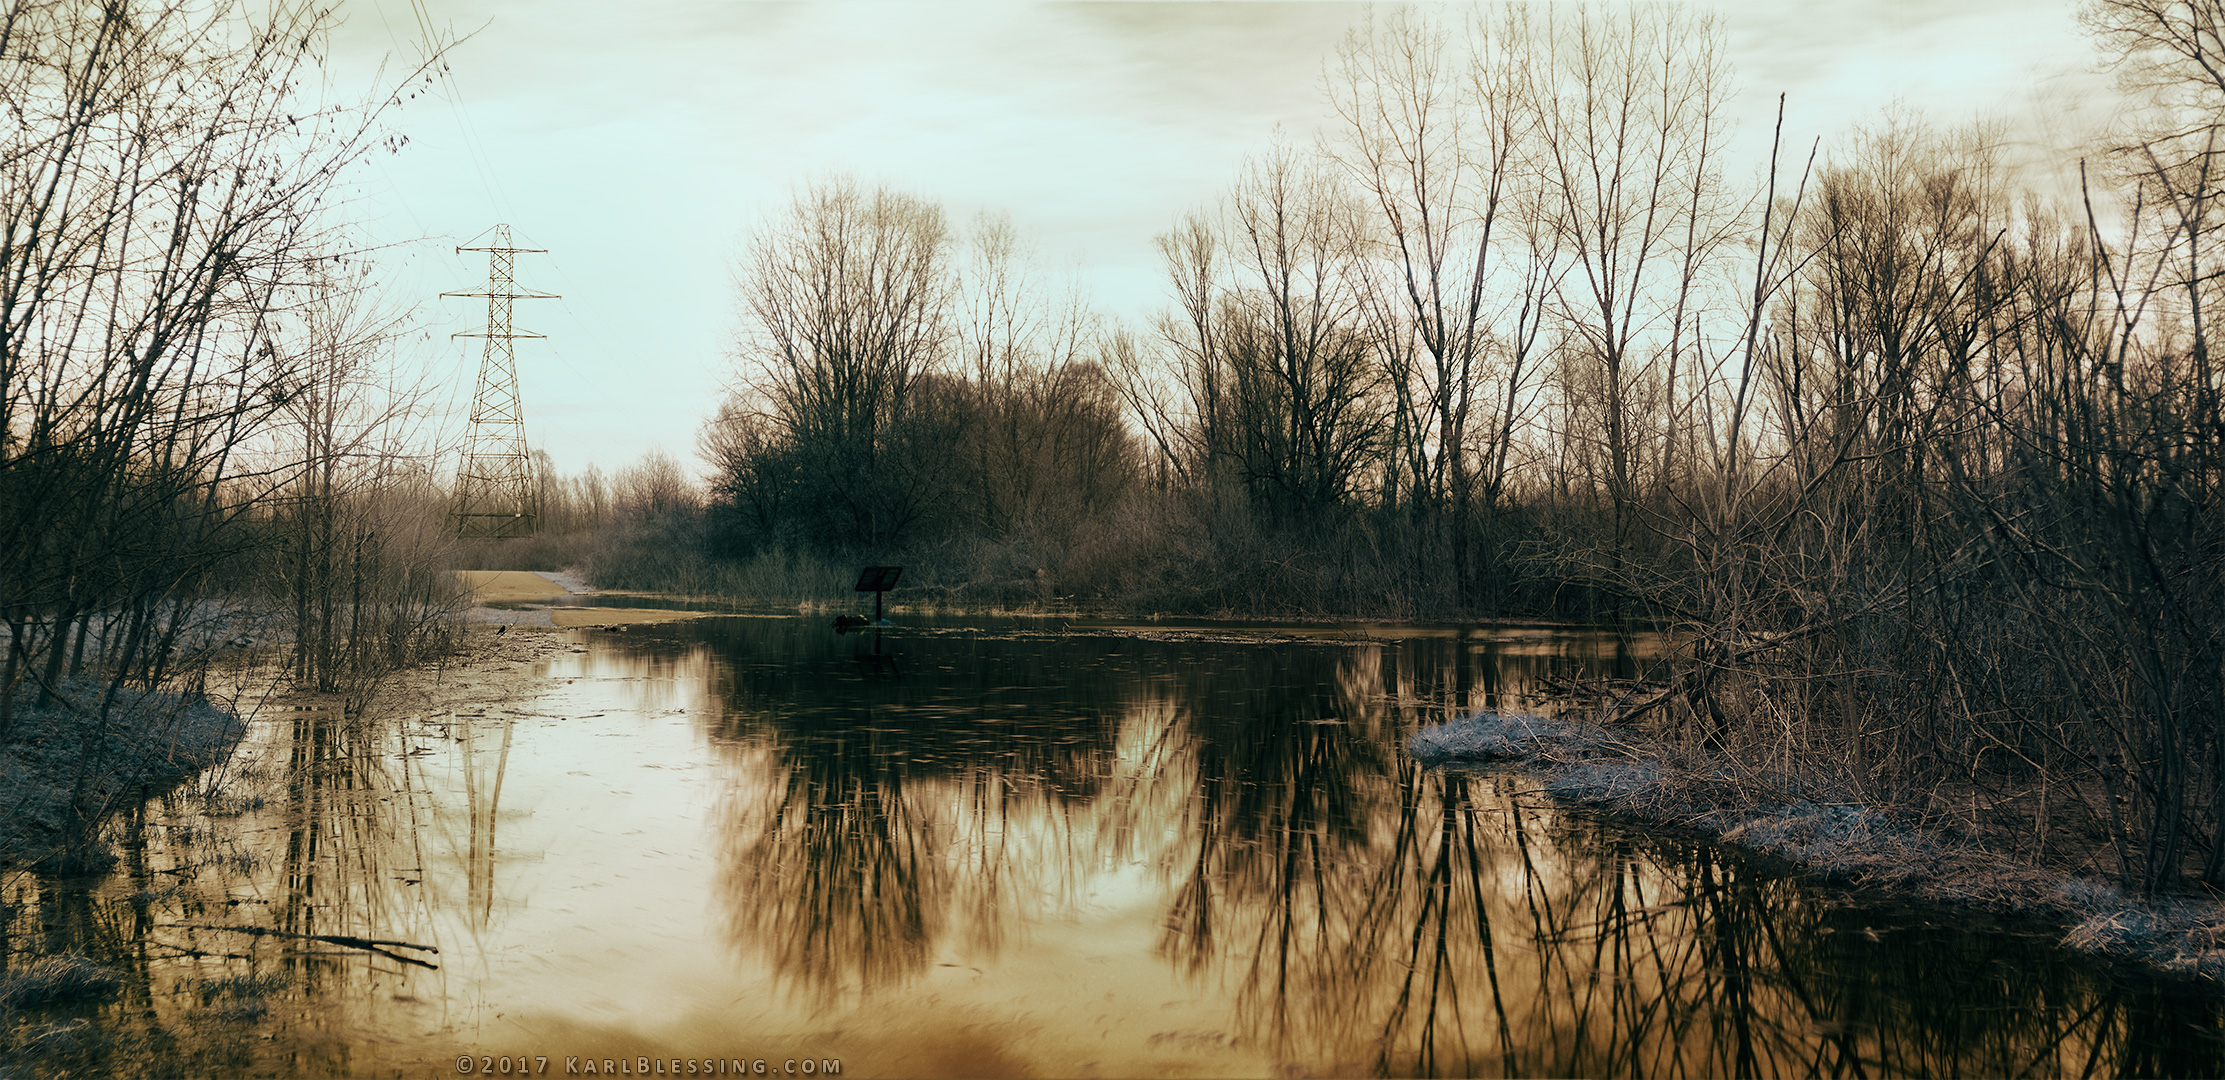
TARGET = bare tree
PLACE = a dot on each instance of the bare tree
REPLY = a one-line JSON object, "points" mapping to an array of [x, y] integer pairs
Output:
{"points": [[362, 553], [849, 298], [654, 486], [1178, 401], [163, 188], [1043, 453], [1440, 151], [1277, 385], [1632, 126], [752, 468], [2170, 54], [1305, 389]]}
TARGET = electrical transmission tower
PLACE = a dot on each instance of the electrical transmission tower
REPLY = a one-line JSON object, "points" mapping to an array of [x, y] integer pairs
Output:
{"points": [[495, 497]]}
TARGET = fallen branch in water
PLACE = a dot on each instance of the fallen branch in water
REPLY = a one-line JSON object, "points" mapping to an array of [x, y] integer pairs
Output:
{"points": [[366, 944], [183, 951], [381, 952]]}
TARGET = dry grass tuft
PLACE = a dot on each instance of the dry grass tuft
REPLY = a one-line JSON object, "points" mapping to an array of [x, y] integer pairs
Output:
{"points": [[58, 980]]}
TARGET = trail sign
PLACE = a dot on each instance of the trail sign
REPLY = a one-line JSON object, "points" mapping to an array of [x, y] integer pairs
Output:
{"points": [[878, 580]]}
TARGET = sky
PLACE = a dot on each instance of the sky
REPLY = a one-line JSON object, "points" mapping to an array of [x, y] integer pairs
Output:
{"points": [[642, 143]]}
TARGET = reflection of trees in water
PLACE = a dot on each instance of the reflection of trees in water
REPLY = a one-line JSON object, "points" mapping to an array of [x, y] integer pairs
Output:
{"points": [[1379, 917], [340, 777], [836, 876], [845, 873], [660, 673], [1368, 916], [1333, 882], [897, 801], [1478, 934], [383, 815], [1277, 747], [1441, 677], [1338, 897], [328, 825]]}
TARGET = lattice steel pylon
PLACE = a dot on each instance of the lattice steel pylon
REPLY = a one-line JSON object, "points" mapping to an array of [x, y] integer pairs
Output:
{"points": [[495, 496]]}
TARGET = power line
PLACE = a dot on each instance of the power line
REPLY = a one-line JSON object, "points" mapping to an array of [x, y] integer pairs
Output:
{"points": [[489, 181]]}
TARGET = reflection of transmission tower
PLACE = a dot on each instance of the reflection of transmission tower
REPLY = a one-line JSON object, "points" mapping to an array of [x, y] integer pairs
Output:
{"points": [[494, 484]]}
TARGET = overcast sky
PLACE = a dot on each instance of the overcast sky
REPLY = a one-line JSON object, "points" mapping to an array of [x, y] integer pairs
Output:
{"points": [[642, 142]]}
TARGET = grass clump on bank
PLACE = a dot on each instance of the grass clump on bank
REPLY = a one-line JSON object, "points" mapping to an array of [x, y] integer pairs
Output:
{"points": [[58, 980], [1837, 840]]}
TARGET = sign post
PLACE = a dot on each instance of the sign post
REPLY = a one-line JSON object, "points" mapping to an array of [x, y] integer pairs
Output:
{"points": [[878, 580]]}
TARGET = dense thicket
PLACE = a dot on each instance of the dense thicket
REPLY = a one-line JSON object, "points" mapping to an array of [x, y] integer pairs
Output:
{"points": [[188, 395]]}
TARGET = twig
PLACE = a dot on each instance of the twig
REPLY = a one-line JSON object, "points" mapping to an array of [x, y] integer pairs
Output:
{"points": [[366, 944]]}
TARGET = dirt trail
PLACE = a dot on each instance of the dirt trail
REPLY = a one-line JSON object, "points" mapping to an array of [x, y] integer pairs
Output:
{"points": [[509, 586], [527, 587]]}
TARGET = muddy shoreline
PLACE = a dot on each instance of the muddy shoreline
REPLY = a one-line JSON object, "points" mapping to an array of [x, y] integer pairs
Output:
{"points": [[1631, 775]]}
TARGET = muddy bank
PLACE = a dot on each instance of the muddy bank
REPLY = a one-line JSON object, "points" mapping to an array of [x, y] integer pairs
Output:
{"points": [[72, 761], [1843, 842], [490, 665]]}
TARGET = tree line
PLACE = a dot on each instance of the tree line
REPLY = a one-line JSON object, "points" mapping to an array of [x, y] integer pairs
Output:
{"points": [[1919, 465], [1488, 298]]}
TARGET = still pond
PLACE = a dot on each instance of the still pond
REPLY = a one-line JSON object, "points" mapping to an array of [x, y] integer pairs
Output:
{"points": [[1002, 847]]}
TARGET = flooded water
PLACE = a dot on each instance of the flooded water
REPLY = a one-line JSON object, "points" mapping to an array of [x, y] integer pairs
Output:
{"points": [[1005, 847]]}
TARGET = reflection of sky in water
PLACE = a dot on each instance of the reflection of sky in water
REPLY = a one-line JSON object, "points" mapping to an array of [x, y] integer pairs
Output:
{"points": [[982, 853]]}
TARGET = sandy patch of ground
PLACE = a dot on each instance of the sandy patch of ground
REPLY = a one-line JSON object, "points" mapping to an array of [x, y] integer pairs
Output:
{"points": [[617, 616], [509, 586]]}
